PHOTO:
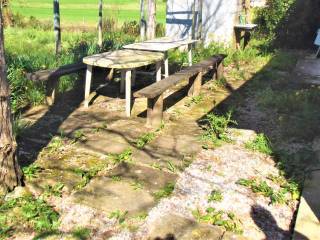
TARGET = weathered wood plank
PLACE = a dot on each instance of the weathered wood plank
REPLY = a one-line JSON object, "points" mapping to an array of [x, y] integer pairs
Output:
{"points": [[44, 75], [158, 88]]}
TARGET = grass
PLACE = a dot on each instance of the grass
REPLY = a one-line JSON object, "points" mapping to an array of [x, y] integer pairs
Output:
{"points": [[83, 12], [119, 216], [28, 212], [55, 190]]}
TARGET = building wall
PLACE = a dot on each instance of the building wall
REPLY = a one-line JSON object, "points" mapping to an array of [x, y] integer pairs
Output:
{"points": [[218, 17]]}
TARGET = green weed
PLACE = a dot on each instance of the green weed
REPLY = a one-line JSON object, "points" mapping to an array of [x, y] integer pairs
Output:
{"points": [[276, 197], [55, 190], [261, 144], [137, 184], [195, 100], [34, 213], [166, 191], [216, 127], [31, 171], [116, 178], [79, 135], [171, 167], [124, 157], [119, 216], [145, 139], [81, 233], [215, 196], [219, 218], [156, 166], [86, 175]]}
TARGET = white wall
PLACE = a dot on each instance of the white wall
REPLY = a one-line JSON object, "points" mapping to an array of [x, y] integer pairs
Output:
{"points": [[218, 19]]}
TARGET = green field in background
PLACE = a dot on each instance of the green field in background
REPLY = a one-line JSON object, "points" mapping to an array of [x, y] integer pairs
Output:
{"points": [[85, 11]]}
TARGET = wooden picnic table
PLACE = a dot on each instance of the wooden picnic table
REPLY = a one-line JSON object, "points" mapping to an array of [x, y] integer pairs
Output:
{"points": [[247, 29], [163, 45], [126, 61]]}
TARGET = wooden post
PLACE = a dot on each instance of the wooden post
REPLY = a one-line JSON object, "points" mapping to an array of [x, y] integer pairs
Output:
{"points": [[190, 54], [193, 26], [151, 25], [155, 111], [166, 65], [56, 25], [200, 10], [195, 85], [10, 172], [158, 71], [100, 41], [142, 22]]}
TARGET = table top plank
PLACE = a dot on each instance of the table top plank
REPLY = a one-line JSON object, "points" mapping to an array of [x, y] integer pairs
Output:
{"points": [[123, 59], [160, 44]]}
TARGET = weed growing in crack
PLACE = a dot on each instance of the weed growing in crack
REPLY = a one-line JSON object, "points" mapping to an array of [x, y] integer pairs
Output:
{"points": [[55, 190], [137, 185], [124, 157], [86, 176], [31, 171], [215, 196], [145, 139], [287, 192], [220, 218], [119, 216], [261, 144], [81, 233], [216, 128], [116, 178], [166, 191], [171, 167], [79, 136], [195, 100]]}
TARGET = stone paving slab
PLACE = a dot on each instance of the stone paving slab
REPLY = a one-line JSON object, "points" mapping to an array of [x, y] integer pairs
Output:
{"points": [[308, 70], [108, 195], [308, 218], [172, 226]]}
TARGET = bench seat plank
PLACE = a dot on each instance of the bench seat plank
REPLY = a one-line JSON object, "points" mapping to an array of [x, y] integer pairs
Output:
{"points": [[158, 88], [44, 75]]}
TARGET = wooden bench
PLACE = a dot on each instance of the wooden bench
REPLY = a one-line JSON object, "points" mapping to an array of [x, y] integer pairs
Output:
{"points": [[193, 74], [52, 76]]}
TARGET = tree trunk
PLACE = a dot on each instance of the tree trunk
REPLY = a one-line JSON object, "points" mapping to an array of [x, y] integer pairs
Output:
{"points": [[56, 25], [10, 172], [142, 21], [100, 41], [151, 25]]}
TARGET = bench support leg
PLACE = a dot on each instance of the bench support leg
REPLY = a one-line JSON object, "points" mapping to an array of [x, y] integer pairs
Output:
{"points": [[195, 85], [155, 111], [87, 86], [52, 90], [220, 71]]}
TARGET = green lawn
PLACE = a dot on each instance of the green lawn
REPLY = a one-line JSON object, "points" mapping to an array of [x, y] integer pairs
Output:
{"points": [[85, 11]]}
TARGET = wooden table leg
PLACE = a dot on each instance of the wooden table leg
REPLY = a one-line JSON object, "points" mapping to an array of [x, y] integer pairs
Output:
{"points": [[87, 86], [158, 71], [166, 65], [246, 39], [123, 80], [128, 91], [190, 54], [238, 38], [133, 77]]}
